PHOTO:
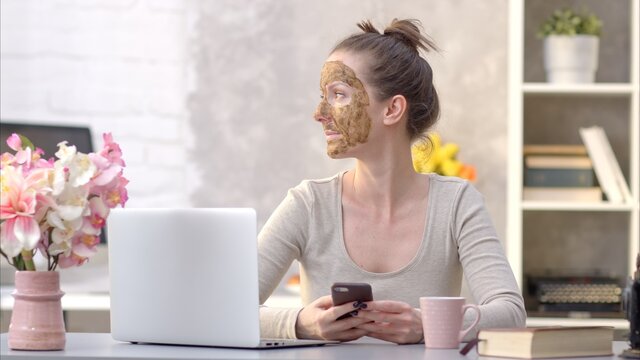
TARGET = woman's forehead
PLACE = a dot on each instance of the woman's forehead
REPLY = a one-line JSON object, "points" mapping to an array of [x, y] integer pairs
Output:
{"points": [[337, 71], [353, 62]]}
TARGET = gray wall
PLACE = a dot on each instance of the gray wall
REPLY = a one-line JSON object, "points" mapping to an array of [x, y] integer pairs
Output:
{"points": [[256, 75]]}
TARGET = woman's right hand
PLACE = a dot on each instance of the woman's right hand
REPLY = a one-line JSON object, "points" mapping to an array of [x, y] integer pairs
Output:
{"points": [[318, 321]]}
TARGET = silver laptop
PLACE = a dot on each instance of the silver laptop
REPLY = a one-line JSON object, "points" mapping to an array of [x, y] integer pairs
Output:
{"points": [[186, 276]]}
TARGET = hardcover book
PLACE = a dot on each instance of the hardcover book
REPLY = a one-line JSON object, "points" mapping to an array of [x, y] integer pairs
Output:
{"points": [[605, 164], [559, 177], [557, 162], [559, 149], [578, 194], [546, 342]]}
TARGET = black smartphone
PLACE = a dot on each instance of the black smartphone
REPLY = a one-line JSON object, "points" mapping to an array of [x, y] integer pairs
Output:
{"points": [[343, 292]]}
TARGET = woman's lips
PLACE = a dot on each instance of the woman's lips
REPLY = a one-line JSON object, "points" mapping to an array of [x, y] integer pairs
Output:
{"points": [[332, 135]]}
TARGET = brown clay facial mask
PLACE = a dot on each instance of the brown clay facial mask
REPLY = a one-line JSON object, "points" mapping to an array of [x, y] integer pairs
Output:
{"points": [[344, 104]]}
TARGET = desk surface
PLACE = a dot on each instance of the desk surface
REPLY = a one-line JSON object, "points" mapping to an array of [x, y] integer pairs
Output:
{"points": [[102, 346]]}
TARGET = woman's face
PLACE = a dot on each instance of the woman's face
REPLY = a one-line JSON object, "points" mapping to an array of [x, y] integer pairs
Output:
{"points": [[343, 110]]}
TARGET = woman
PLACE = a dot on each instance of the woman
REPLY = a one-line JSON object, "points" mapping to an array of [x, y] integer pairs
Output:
{"points": [[407, 234]]}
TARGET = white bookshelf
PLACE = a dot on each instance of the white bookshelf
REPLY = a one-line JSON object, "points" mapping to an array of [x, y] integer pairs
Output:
{"points": [[617, 94], [574, 206], [610, 89]]}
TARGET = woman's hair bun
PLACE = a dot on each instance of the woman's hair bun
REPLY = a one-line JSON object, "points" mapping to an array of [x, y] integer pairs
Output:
{"points": [[408, 31]]}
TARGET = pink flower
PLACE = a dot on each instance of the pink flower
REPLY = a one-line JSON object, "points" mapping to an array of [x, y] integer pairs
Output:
{"points": [[71, 260], [20, 231], [107, 170], [23, 157], [6, 159], [111, 150], [17, 234], [14, 142], [97, 218], [118, 193], [83, 246]]}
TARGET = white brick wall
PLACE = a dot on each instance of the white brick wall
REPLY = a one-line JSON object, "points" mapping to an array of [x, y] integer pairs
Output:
{"points": [[115, 65]]}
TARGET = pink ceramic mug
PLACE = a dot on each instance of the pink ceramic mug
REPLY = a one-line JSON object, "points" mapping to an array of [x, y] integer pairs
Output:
{"points": [[442, 320]]}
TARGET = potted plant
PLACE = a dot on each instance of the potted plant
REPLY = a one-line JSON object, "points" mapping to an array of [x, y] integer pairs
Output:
{"points": [[571, 42]]}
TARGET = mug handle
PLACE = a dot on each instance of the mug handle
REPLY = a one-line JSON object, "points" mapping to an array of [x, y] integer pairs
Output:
{"points": [[464, 332]]}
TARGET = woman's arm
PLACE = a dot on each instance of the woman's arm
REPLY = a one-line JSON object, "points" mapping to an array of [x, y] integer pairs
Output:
{"points": [[485, 265], [281, 241]]}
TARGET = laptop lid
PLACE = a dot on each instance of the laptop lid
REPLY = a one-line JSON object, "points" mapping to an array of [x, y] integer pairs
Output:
{"points": [[184, 276]]}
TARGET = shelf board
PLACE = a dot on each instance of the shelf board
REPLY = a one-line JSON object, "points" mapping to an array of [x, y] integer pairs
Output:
{"points": [[574, 206], [599, 89]]}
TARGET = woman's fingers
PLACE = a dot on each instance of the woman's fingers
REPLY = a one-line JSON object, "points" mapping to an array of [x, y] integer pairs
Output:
{"points": [[319, 320], [391, 321], [385, 317], [388, 306], [323, 302], [338, 311]]}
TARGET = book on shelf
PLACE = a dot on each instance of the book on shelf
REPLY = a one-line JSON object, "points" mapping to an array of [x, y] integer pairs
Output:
{"points": [[554, 149], [557, 166], [570, 194], [558, 171], [559, 177], [557, 162], [605, 165], [546, 342]]}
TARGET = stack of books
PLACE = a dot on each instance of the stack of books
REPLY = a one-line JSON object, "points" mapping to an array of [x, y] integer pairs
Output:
{"points": [[582, 173], [559, 173]]}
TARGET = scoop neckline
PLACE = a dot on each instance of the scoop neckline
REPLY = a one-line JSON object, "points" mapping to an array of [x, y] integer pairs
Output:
{"points": [[425, 233]]}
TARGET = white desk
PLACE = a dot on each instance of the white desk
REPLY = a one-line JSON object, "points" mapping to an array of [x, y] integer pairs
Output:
{"points": [[102, 346]]}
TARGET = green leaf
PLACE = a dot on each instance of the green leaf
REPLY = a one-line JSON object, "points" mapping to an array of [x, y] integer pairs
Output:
{"points": [[26, 143], [18, 263], [568, 22]]}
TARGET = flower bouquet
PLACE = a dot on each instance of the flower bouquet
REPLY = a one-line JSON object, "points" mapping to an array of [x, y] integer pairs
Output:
{"points": [[57, 208], [432, 155]]}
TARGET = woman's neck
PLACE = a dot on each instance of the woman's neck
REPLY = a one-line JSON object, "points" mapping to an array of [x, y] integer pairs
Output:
{"points": [[386, 182]]}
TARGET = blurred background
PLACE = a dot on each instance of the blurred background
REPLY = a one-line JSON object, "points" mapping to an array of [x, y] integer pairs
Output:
{"points": [[211, 101]]}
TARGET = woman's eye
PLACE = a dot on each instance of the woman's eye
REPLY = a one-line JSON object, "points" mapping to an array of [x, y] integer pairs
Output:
{"points": [[339, 94]]}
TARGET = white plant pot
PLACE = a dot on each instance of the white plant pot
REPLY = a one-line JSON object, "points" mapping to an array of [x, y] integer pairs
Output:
{"points": [[571, 59]]}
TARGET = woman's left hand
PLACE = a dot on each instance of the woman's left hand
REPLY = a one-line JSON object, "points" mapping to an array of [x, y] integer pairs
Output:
{"points": [[393, 321]]}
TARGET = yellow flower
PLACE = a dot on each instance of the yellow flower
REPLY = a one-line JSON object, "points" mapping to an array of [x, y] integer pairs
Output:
{"points": [[432, 155]]}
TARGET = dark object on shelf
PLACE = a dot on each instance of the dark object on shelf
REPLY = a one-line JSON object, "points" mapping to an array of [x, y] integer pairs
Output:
{"points": [[576, 293], [631, 302]]}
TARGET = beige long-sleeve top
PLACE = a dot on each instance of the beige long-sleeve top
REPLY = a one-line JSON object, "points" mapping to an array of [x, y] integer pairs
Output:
{"points": [[459, 239]]}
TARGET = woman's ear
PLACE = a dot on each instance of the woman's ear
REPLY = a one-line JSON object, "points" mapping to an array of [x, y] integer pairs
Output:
{"points": [[395, 110]]}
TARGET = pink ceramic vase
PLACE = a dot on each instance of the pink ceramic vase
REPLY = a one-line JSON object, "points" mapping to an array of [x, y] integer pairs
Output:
{"points": [[36, 319]]}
